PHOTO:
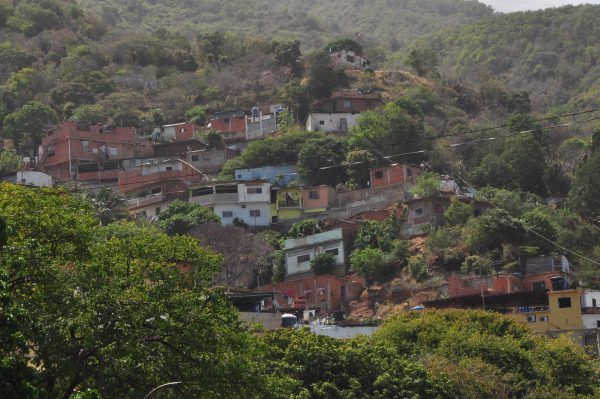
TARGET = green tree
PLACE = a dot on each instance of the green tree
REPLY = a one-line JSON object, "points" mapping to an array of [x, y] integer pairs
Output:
{"points": [[422, 59], [417, 267], [357, 166], [539, 225], [27, 125], [108, 206], [426, 185], [368, 262], [477, 264], [526, 158], [318, 153], [90, 114], [492, 229], [73, 92], [286, 53], [458, 212], [305, 228], [181, 217], [584, 196], [322, 77], [391, 130], [197, 115], [322, 264], [10, 161]]}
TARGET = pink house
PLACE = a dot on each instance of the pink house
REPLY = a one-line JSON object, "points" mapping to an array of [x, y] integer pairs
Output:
{"points": [[317, 199]]}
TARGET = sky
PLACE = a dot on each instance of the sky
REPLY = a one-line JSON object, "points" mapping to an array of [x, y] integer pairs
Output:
{"points": [[516, 5]]}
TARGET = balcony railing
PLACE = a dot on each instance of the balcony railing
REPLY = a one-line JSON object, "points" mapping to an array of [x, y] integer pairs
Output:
{"points": [[150, 199], [289, 203], [595, 310]]}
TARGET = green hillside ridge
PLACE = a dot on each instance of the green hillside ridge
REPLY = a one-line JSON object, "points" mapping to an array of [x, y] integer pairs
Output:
{"points": [[554, 54], [390, 23]]}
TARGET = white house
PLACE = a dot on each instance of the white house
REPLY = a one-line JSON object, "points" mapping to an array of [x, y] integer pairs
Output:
{"points": [[349, 59], [248, 201], [299, 252], [34, 178], [590, 309], [338, 122]]}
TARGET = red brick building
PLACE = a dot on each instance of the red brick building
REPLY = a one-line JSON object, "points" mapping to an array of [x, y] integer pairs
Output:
{"points": [[394, 174], [231, 125], [89, 152], [151, 186], [352, 101]]}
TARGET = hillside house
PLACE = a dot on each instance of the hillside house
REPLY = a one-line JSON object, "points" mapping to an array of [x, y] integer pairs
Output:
{"points": [[299, 252], [248, 201], [286, 204], [429, 211], [394, 174], [231, 125], [349, 59], [341, 111], [317, 200], [89, 152], [150, 186], [171, 133]]}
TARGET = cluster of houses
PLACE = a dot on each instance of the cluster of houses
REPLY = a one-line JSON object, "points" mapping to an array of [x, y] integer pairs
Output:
{"points": [[151, 168]]}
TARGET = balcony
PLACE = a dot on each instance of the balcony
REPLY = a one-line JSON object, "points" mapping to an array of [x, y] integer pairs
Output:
{"points": [[297, 203], [144, 201], [595, 310]]}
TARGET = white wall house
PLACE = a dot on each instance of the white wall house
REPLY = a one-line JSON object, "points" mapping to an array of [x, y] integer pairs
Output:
{"points": [[590, 309], [299, 252], [338, 122], [248, 201], [349, 59], [34, 178]]}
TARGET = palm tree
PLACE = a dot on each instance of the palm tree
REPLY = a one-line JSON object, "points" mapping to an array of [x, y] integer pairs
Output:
{"points": [[108, 206]]}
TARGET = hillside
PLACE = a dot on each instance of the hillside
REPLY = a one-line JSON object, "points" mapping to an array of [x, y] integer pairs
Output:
{"points": [[554, 54], [389, 23]]}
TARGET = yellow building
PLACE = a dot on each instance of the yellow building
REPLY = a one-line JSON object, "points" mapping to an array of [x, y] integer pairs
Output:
{"points": [[286, 204], [564, 312]]}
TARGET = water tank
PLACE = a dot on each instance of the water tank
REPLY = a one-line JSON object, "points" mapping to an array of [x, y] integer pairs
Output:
{"points": [[288, 320], [255, 112]]}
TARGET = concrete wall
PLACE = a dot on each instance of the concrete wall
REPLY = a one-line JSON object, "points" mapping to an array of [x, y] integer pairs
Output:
{"points": [[34, 178], [340, 332], [260, 128], [311, 246], [243, 212], [269, 321], [331, 123]]}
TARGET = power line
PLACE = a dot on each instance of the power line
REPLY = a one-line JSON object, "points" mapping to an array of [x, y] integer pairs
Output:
{"points": [[526, 227], [424, 151]]}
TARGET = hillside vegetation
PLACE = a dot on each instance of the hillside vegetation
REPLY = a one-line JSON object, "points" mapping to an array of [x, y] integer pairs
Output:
{"points": [[554, 54], [389, 23]]}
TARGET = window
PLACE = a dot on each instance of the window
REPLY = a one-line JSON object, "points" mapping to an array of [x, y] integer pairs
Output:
{"points": [[195, 158], [597, 323], [227, 214], [347, 104], [531, 319], [157, 211], [254, 213], [539, 286], [564, 302], [419, 211], [594, 302], [112, 151], [313, 194], [303, 258], [379, 174], [543, 318], [182, 130], [156, 190], [408, 172], [239, 176], [86, 145], [169, 168], [334, 251], [321, 123], [254, 190], [226, 120]]}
